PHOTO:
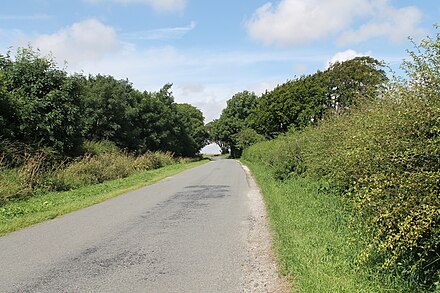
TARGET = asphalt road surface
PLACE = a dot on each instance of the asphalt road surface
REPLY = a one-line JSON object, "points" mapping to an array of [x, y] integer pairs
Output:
{"points": [[187, 233]]}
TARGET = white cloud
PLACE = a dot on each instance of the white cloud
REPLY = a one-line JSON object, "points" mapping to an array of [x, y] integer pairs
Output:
{"points": [[344, 56], [83, 41], [159, 5], [292, 23], [298, 22], [396, 24], [192, 88], [162, 33]]}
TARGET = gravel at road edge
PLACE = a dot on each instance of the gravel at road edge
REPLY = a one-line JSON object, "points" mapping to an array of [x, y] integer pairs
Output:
{"points": [[260, 270]]}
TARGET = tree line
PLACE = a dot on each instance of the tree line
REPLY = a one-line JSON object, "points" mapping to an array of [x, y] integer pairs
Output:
{"points": [[42, 107], [298, 103]]}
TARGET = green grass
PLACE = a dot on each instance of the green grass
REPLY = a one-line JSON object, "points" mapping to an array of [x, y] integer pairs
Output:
{"points": [[20, 214], [314, 243]]}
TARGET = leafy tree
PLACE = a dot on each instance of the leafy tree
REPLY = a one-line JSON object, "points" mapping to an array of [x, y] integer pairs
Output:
{"points": [[110, 107], [352, 81], [41, 105], [194, 134], [233, 120], [304, 101], [170, 128], [214, 134], [167, 126], [296, 103]]}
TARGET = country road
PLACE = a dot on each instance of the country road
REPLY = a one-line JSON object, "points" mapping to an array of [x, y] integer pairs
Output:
{"points": [[199, 231]]}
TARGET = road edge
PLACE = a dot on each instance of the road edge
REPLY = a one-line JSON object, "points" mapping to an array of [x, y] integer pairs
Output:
{"points": [[261, 268]]}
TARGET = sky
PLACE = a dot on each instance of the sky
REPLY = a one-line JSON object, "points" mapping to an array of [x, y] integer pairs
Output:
{"points": [[210, 50]]}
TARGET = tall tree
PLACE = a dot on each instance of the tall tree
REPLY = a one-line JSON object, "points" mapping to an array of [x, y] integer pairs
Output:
{"points": [[304, 101], [42, 104], [110, 109], [233, 120], [194, 133], [354, 81], [296, 103]]}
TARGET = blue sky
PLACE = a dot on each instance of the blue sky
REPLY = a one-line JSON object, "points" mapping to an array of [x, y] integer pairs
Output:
{"points": [[210, 50]]}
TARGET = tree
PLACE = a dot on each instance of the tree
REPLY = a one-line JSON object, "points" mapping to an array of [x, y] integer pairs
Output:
{"points": [[167, 126], [357, 80], [233, 120], [296, 103], [248, 137], [305, 100], [214, 134], [195, 135], [41, 104], [110, 107]]}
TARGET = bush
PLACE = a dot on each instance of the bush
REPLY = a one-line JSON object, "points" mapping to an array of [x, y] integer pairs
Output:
{"points": [[386, 159], [92, 170], [282, 156], [106, 166], [248, 137], [153, 160], [39, 173], [92, 147], [10, 186], [20, 182]]}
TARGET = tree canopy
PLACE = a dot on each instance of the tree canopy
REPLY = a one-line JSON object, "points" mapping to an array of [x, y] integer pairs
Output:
{"points": [[225, 131], [305, 100], [41, 106]]}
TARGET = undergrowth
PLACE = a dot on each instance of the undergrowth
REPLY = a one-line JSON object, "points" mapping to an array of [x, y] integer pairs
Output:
{"points": [[314, 243], [35, 173]]}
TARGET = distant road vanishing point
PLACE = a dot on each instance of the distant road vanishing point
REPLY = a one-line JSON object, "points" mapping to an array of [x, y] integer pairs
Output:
{"points": [[203, 230]]}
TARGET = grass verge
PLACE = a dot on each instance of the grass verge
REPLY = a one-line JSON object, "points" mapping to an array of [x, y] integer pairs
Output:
{"points": [[20, 214], [314, 243]]}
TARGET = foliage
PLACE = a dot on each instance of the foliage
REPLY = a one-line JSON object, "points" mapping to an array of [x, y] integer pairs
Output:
{"points": [[153, 160], [37, 175], [92, 147], [385, 159], [194, 134], [305, 100], [233, 120], [296, 103], [110, 107], [214, 134], [312, 238], [92, 170], [248, 137], [40, 105], [354, 82]]}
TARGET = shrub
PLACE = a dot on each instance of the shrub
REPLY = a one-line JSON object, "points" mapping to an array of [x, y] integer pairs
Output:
{"points": [[93, 147], [385, 158], [93, 169], [153, 160], [106, 166], [282, 156]]}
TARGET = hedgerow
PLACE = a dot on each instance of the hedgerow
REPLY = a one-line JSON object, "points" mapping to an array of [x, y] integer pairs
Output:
{"points": [[385, 158]]}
